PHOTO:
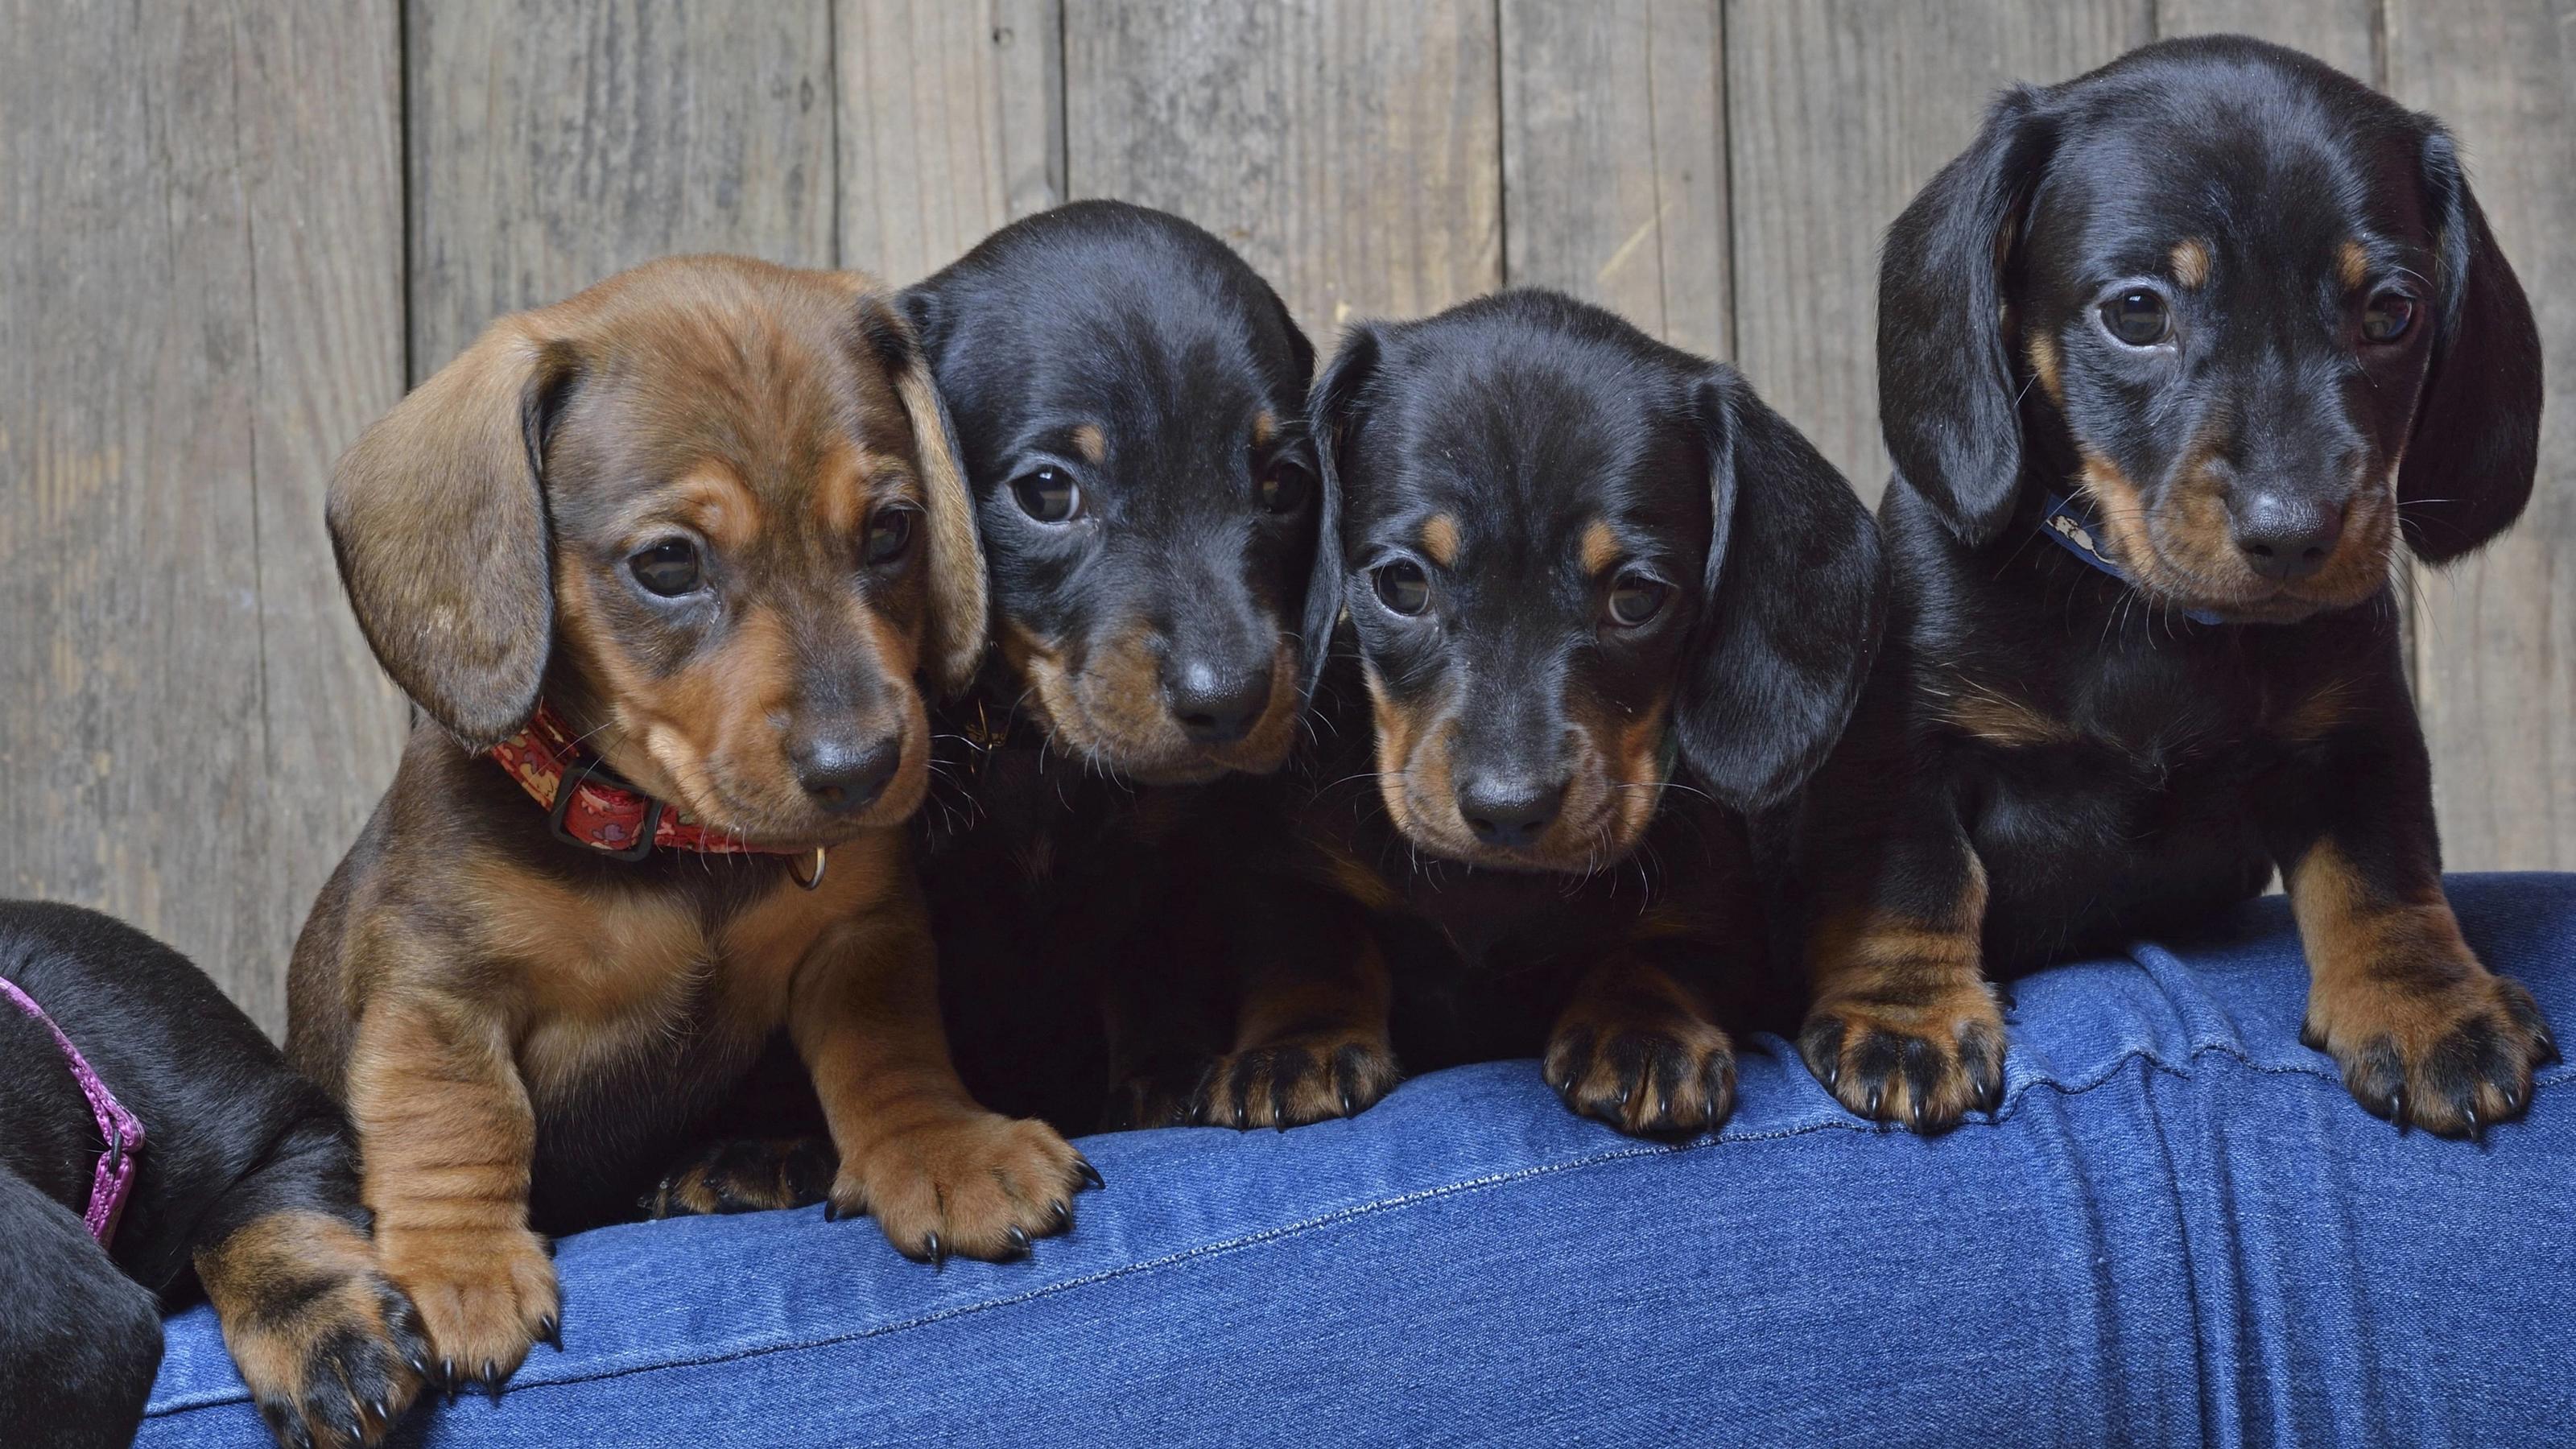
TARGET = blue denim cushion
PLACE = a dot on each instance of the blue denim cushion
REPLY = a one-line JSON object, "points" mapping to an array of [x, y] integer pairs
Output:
{"points": [[2178, 1228]]}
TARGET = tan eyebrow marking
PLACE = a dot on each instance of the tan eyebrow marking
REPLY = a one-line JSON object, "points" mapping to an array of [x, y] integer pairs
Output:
{"points": [[2191, 262], [1600, 546], [715, 501], [1440, 539], [1090, 442], [2353, 261], [1264, 428]]}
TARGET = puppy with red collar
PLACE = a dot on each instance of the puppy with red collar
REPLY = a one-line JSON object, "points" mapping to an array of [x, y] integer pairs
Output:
{"points": [[660, 565]]}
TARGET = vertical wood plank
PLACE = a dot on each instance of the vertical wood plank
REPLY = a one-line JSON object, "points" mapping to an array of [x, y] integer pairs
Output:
{"points": [[554, 144], [1350, 151], [2342, 33], [2495, 637], [952, 124], [202, 292], [1614, 160], [1838, 111]]}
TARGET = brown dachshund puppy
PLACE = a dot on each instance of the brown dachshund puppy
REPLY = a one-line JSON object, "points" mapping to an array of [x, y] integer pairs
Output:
{"points": [[677, 548], [2170, 361]]}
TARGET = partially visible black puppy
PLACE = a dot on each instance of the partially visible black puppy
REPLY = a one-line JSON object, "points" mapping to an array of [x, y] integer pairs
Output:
{"points": [[2169, 361], [1130, 407], [1129, 402], [1604, 603], [246, 1187]]}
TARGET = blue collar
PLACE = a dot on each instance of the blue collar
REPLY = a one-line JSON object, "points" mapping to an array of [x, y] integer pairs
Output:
{"points": [[2070, 525]]}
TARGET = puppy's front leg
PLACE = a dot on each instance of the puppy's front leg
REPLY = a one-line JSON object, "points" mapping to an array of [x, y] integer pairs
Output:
{"points": [[1902, 1026], [447, 1137], [331, 1351], [1311, 1019], [941, 1174], [2424, 1032], [1638, 1048]]}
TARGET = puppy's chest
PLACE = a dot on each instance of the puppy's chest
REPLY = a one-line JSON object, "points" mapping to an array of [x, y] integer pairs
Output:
{"points": [[653, 980]]}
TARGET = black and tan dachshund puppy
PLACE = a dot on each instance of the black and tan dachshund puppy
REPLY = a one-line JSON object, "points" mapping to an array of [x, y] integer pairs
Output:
{"points": [[244, 1188], [2170, 361], [1129, 399], [1604, 603]]}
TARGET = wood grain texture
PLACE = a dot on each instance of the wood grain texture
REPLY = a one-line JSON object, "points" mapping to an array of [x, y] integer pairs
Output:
{"points": [[1838, 111], [1614, 160], [1350, 151], [952, 124], [202, 293], [2343, 33], [2495, 640], [551, 145]]}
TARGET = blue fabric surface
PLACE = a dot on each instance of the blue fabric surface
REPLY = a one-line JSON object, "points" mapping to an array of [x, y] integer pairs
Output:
{"points": [[2178, 1229]]}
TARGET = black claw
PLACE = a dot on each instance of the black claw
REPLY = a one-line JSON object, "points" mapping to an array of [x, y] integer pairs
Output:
{"points": [[831, 1211], [492, 1380], [1921, 1111], [419, 1367], [1019, 1240], [1624, 1093], [550, 1332], [1833, 1073], [2548, 1045], [2397, 1110], [1346, 1104], [384, 1414], [1062, 1213], [447, 1374], [935, 1250], [1870, 1109], [1090, 1174], [2477, 1129]]}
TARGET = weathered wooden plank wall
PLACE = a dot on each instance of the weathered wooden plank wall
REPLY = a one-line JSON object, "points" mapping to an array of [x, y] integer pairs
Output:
{"points": [[229, 235]]}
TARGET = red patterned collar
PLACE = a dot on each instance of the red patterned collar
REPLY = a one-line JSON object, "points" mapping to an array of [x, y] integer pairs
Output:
{"points": [[599, 810]]}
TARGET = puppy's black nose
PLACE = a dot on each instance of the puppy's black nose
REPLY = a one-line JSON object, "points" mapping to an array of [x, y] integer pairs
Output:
{"points": [[844, 775], [1214, 706], [2282, 536], [1512, 812]]}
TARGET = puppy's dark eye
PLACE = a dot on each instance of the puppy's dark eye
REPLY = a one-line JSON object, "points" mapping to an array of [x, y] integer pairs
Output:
{"points": [[1047, 495], [669, 568], [1402, 586], [2386, 317], [1285, 489], [889, 535], [2137, 317], [1636, 599]]}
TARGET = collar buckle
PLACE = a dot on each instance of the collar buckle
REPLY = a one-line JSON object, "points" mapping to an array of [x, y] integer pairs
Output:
{"points": [[572, 781]]}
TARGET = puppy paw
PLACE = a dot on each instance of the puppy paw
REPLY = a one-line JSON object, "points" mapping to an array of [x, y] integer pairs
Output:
{"points": [[484, 1296], [973, 1183], [1921, 1065], [2452, 1056], [1298, 1079], [746, 1175], [331, 1351], [1668, 1073]]}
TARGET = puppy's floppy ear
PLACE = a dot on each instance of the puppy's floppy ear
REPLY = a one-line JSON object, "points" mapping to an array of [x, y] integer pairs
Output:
{"points": [[1332, 419], [957, 588], [1794, 599], [2468, 469], [438, 519], [1946, 395]]}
